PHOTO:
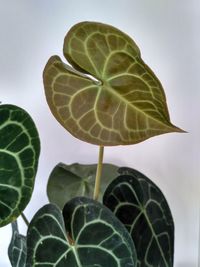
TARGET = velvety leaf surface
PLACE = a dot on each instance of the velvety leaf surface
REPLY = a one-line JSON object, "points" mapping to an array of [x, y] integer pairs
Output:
{"points": [[19, 152], [121, 102], [68, 181], [92, 236], [143, 209], [17, 249]]}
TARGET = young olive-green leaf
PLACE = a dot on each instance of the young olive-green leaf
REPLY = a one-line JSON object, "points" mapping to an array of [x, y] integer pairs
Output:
{"points": [[121, 101], [69, 181], [143, 209], [17, 249], [89, 235], [19, 152]]}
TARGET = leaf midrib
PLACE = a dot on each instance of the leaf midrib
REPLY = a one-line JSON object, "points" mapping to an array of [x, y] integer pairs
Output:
{"points": [[154, 234], [103, 81], [105, 86]]}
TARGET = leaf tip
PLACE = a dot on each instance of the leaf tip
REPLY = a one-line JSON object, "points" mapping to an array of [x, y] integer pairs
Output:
{"points": [[178, 130]]}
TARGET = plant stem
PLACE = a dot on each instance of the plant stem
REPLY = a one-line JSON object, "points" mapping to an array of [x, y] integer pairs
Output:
{"points": [[98, 174], [25, 219]]}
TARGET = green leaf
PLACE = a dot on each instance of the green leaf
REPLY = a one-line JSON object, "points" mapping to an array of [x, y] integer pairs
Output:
{"points": [[19, 152], [143, 209], [92, 237], [17, 248], [68, 181], [121, 102]]}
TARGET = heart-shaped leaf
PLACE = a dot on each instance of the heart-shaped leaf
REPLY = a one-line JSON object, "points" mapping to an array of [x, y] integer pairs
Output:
{"points": [[17, 249], [69, 181], [121, 102], [19, 152], [92, 237], [143, 209]]}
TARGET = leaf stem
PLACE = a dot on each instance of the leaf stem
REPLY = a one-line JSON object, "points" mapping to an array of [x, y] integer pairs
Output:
{"points": [[98, 174], [25, 219]]}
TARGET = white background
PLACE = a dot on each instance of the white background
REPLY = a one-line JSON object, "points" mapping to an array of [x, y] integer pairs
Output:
{"points": [[167, 33]]}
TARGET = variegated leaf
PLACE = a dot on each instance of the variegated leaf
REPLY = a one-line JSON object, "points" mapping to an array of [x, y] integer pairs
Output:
{"points": [[121, 102], [143, 209], [19, 153], [17, 248], [92, 237]]}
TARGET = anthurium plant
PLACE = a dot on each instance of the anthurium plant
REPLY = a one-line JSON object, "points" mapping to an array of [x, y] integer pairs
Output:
{"points": [[99, 215]]}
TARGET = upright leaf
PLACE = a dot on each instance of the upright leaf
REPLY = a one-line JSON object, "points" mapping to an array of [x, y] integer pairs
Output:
{"points": [[69, 181], [92, 236], [121, 102], [143, 209], [17, 248], [19, 152]]}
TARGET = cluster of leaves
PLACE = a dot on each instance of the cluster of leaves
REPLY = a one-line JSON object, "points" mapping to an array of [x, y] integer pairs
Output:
{"points": [[108, 96]]}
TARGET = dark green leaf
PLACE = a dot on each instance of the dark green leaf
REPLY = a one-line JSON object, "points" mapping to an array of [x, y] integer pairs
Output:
{"points": [[68, 181], [143, 209], [19, 152], [92, 237], [17, 248], [121, 102]]}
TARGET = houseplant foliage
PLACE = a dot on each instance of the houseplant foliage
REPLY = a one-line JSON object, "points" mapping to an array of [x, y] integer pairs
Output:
{"points": [[19, 152], [68, 181], [108, 96], [17, 250], [143, 209], [109, 246], [123, 103]]}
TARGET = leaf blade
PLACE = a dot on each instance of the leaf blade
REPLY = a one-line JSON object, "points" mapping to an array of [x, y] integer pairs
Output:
{"points": [[19, 153], [49, 244], [142, 207], [17, 248], [69, 181], [125, 105]]}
